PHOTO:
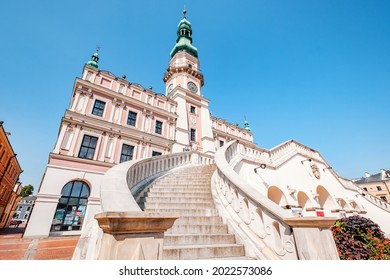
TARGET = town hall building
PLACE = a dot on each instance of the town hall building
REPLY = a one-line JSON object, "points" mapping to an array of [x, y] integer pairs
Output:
{"points": [[116, 126]]}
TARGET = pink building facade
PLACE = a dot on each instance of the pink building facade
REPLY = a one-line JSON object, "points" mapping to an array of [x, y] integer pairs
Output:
{"points": [[110, 121]]}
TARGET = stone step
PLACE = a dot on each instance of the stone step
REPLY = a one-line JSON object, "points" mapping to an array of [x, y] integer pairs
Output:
{"points": [[201, 229], [184, 184], [184, 212], [190, 176], [165, 199], [199, 220], [199, 232], [182, 205], [181, 189], [193, 252], [198, 239], [180, 194]]}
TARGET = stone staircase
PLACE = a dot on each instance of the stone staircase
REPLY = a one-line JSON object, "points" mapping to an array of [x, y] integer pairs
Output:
{"points": [[199, 233]]}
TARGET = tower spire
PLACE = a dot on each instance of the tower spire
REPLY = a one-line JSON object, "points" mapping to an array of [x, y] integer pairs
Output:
{"points": [[246, 125], [95, 58], [184, 39]]}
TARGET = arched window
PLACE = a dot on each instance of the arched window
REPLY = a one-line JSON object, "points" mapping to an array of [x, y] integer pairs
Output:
{"points": [[71, 208]]}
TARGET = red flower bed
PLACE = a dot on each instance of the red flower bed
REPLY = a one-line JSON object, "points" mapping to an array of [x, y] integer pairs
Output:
{"points": [[358, 238]]}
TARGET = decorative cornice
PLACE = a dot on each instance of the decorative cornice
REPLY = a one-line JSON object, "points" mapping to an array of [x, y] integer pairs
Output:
{"points": [[183, 69], [121, 97], [310, 222], [80, 160], [134, 222], [118, 130]]}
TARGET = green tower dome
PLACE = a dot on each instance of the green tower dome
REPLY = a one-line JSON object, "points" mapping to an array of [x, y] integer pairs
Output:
{"points": [[246, 126], [94, 60], [184, 39]]}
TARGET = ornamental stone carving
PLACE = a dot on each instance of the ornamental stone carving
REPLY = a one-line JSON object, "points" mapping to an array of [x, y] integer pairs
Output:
{"points": [[315, 170]]}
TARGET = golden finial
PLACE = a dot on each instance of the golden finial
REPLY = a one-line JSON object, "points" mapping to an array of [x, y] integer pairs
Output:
{"points": [[184, 12]]}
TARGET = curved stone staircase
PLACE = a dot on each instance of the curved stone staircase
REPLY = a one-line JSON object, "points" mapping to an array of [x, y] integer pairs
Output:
{"points": [[199, 233]]}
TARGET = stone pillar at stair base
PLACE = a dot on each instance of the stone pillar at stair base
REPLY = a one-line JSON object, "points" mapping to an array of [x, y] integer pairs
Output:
{"points": [[132, 235], [313, 238], [41, 216]]}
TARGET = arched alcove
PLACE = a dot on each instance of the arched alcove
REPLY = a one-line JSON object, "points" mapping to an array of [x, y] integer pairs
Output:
{"points": [[324, 199], [304, 200], [277, 196], [354, 205], [343, 204]]}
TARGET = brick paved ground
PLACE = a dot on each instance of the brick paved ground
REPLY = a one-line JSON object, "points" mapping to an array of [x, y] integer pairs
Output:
{"points": [[13, 247]]}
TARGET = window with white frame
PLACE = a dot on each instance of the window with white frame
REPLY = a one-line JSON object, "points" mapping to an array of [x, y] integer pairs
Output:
{"points": [[158, 127], [88, 147], [126, 153], [131, 118], [193, 135], [98, 108]]}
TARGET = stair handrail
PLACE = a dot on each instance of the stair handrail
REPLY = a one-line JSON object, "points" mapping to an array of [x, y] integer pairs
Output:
{"points": [[257, 220], [267, 230], [122, 181]]}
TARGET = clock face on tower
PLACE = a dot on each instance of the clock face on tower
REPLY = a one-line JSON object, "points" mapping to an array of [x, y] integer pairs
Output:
{"points": [[170, 88], [192, 87]]}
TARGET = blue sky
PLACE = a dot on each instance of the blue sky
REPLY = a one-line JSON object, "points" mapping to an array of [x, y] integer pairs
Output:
{"points": [[313, 71]]}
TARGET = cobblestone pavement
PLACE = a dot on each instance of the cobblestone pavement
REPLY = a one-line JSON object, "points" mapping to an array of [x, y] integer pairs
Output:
{"points": [[14, 247]]}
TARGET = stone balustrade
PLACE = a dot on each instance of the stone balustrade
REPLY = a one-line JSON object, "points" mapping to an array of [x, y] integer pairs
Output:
{"points": [[350, 185], [279, 154], [266, 230], [373, 199], [144, 170], [123, 230]]}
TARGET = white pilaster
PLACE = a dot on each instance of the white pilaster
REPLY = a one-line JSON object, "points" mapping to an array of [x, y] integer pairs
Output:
{"points": [[60, 138]]}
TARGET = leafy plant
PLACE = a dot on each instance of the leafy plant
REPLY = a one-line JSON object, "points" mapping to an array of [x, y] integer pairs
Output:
{"points": [[358, 238], [26, 191]]}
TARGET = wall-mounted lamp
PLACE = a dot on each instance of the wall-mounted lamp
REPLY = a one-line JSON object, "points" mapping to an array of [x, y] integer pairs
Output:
{"points": [[330, 167], [262, 166], [309, 160]]}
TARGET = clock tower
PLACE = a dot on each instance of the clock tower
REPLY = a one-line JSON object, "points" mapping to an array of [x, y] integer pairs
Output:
{"points": [[184, 81]]}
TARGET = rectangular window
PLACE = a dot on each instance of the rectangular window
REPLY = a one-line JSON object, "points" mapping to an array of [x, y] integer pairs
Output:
{"points": [[88, 147], [154, 153], [384, 198], [193, 134], [127, 153], [158, 128], [378, 188], [98, 108], [131, 118], [192, 109], [365, 189], [221, 143]]}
